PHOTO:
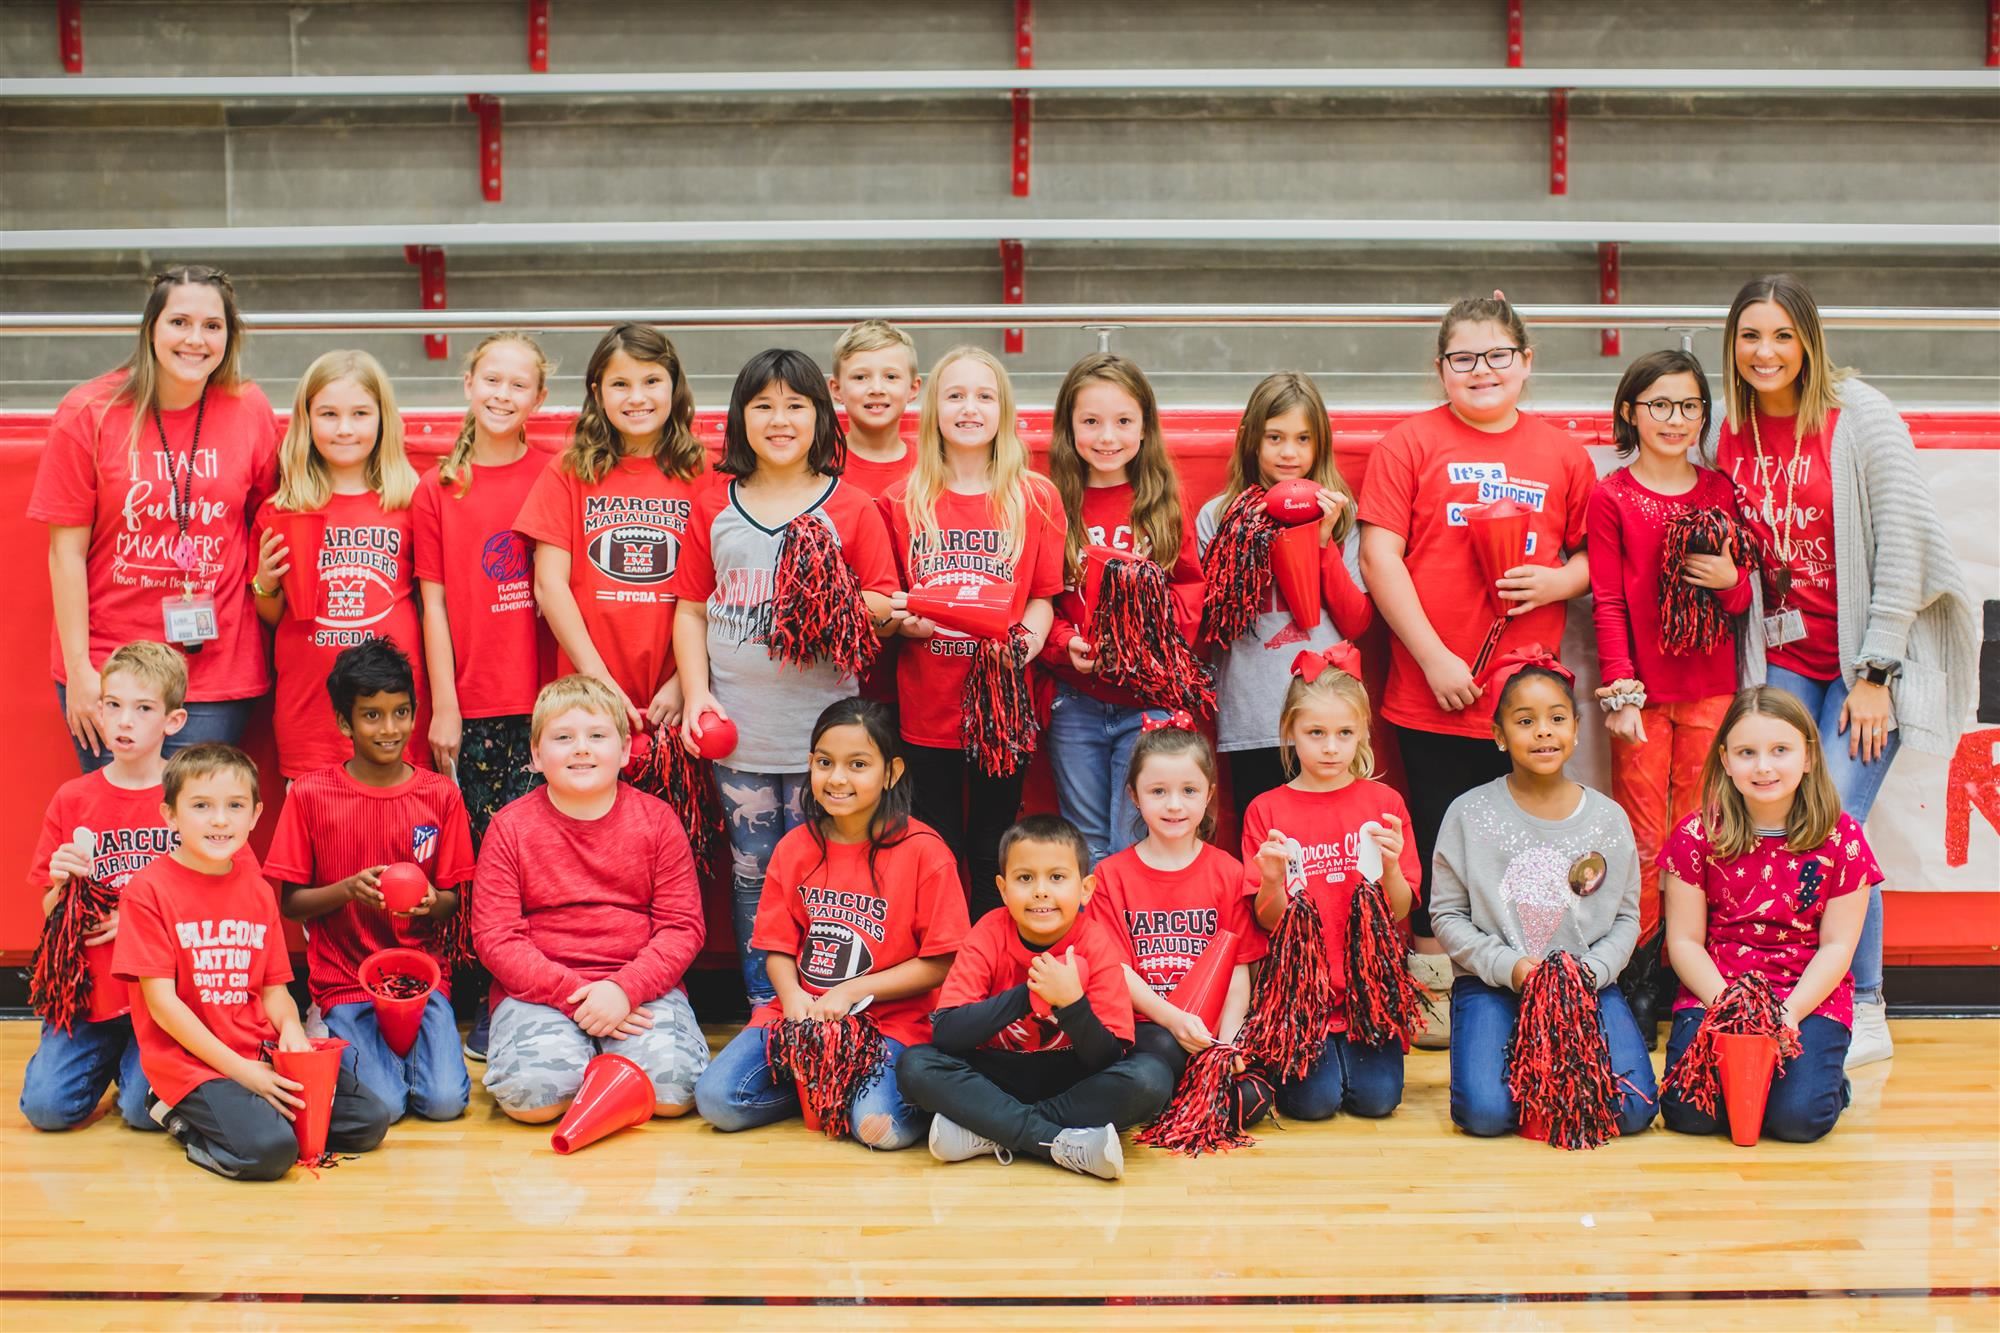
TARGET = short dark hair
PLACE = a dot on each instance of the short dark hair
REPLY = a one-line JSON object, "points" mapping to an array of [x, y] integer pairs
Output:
{"points": [[375, 667], [1049, 829], [802, 375], [1642, 375]]}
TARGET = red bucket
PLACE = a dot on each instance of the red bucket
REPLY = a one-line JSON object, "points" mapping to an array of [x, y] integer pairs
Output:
{"points": [[317, 1071], [1746, 1063]]}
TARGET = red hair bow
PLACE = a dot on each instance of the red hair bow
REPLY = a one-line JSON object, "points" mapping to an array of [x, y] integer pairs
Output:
{"points": [[1341, 657], [1503, 667], [1180, 720]]}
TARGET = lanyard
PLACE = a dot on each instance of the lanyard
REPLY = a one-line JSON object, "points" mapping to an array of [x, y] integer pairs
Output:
{"points": [[1782, 578], [180, 495]]}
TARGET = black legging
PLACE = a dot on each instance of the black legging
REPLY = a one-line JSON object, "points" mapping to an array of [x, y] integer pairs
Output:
{"points": [[1438, 770], [1252, 773], [969, 809]]}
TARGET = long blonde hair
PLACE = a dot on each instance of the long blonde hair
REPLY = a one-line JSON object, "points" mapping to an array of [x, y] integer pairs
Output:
{"points": [[457, 465], [1331, 683], [1815, 808], [141, 386], [1156, 490], [1819, 379], [595, 446], [1274, 396], [1007, 466], [304, 484]]}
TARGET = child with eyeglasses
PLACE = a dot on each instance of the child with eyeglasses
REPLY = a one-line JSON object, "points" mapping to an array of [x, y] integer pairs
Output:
{"points": [[1668, 579], [1425, 483]]}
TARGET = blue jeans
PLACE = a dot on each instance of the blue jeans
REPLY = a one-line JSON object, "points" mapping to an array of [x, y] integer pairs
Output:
{"points": [[757, 809], [1806, 1098], [1360, 1080], [67, 1075], [1482, 1023], [737, 1092], [430, 1080], [221, 720], [1090, 747], [1858, 784]]}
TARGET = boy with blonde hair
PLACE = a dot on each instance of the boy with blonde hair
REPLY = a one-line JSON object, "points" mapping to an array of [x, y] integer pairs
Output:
{"points": [[586, 910], [875, 380]]}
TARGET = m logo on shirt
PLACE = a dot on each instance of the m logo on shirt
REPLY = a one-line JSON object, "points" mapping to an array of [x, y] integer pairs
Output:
{"points": [[635, 553], [833, 953]]}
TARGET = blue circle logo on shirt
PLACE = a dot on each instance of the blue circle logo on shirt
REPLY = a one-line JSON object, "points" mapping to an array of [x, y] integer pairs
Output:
{"points": [[505, 557]]}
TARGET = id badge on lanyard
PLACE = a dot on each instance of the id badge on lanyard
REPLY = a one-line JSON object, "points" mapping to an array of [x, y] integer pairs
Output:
{"points": [[1787, 625], [190, 617]]}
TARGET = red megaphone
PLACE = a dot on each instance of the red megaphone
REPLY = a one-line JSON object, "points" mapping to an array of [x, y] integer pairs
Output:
{"points": [[982, 610], [1295, 551], [316, 1071], [399, 1017], [1746, 1062], [616, 1094], [1095, 560], [1206, 984]]}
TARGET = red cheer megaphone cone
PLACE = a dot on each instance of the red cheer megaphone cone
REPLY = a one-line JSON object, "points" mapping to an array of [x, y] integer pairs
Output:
{"points": [[316, 1071], [109, 996], [1202, 991], [1533, 1126], [616, 1094], [1295, 569], [303, 535], [1499, 534], [1747, 1062], [1095, 560], [400, 982], [982, 610]]}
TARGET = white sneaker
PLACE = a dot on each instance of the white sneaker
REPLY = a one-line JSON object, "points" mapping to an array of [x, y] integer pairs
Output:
{"points": [[953, 1142], [1433, 973], [1871, 1042], [1090, 1152]]}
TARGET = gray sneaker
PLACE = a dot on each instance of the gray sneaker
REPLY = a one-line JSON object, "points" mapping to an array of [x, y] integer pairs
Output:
{"points": [[1090, 1152], [953, 1142]]}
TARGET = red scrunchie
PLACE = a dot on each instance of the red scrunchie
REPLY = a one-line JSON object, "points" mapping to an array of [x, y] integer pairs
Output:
{"points": [[1340, 657]]}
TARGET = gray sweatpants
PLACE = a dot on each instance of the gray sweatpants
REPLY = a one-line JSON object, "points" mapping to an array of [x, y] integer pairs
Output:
{"points": [[536, 1054]]}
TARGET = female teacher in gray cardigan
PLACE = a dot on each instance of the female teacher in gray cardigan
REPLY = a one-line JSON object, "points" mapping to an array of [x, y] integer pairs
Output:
{"points": [[1862, 611]]}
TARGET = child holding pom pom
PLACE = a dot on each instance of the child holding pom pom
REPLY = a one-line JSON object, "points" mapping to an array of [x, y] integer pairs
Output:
{"points": [[784, 576], [860, 918], [1767, 881], [971, 517], [1334, 1009], [1528, 866]]}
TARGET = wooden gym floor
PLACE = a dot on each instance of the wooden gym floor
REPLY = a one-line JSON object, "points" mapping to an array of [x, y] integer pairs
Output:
{"points": [[1893, 1221]]}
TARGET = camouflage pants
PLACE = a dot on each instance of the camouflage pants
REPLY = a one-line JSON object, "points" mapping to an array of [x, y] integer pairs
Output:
{"points": [[493, 767], [536, 1054]]}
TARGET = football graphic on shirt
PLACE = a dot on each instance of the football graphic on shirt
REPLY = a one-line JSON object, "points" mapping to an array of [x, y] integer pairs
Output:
{"points": [[354, 597], [833, 953], [635, 552]]}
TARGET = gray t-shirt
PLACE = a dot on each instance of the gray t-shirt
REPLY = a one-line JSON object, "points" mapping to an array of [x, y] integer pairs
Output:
{"points": [[1253, 673], [1506, 885]]}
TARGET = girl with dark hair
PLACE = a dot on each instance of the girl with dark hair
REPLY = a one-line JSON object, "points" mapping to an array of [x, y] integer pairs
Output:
{"points": [[783, 587], [1670, 581], [862, 906], [151, 474]]}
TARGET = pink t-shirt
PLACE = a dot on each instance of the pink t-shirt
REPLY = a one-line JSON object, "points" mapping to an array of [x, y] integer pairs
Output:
{"points": [[1765, 908]]}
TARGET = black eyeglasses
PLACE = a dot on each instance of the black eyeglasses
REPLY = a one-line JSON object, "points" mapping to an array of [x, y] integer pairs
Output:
{"points": [[1496, 358], [1692, 409]]}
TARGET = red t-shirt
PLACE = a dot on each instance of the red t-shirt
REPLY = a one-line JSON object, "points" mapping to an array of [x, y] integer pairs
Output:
{"points": [[876, 478], [1166, 919], [222, 941], [129, 834], [1628, 539], [1801, 478], [467, 542], [330, 827], [624, 538], [1107, 521], [968, 547], [92, 476], [1424, 474], [559, 902], [840, 921], [1326, 826], [1765, 908], [367, 589], [994, 959]]}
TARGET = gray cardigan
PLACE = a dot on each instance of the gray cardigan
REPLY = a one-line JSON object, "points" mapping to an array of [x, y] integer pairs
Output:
{"points": [[1901, 593]]}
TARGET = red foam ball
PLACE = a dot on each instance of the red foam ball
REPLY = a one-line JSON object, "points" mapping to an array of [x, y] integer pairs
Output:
{"points": [[403, 886], [718, 737], [1293, 502]]}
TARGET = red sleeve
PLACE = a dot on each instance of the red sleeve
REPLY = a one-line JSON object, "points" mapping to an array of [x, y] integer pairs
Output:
{"points": [[454, 860], [1352, 609], [1735, 601], [500, 930], [890, 506], [290, 858], [427, 530], [677, 922], [942, 923], [1107, 909], [782, 922], [1582, 482], [694, 576], [65, 491], [1252, 945], [1607, 588], [56, 830], [1256, 827], [1854, 860], [1046, 539], [1686, 850], [971, 975], [277, 956], [144, 947], [1107, 990], [864, 540], [264, 477], [1185, 580], [1411, 862], [549, 513], [1067, 624], [1389, 490]]}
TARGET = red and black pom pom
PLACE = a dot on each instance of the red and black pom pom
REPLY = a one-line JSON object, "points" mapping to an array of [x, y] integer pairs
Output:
{"points": [[59, 979], [816, 610], [997, 724], [830, 1062], [1746, 1007], [1384, 1002], [1138, 645], [1293, 1005], [1558, 1063], [1206, 1113], [1691, 618], [1236, 569], [662, 767]]}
